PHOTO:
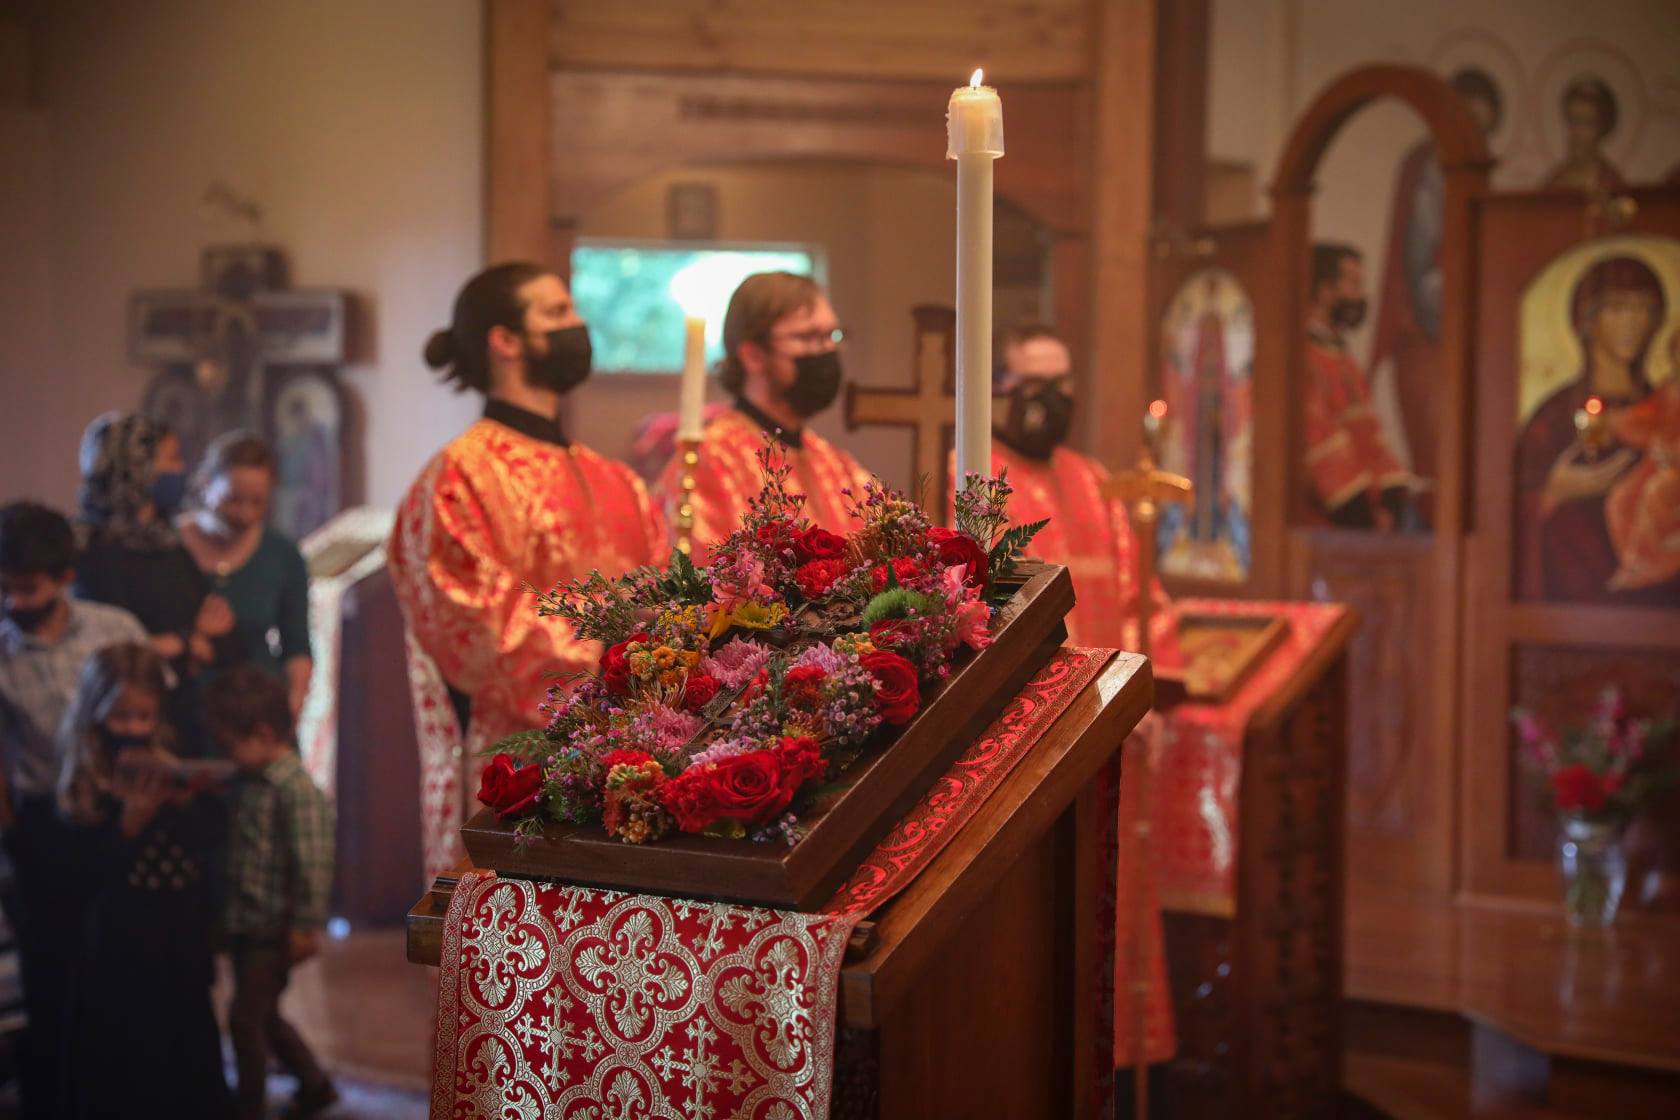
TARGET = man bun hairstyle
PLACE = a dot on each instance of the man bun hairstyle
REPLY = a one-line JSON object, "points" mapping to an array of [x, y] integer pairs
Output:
{"points": [[490, 299], [757, 305]]}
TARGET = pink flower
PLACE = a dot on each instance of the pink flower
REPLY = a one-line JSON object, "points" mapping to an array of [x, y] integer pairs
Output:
{"points": [[974, 623], [736, 663], [740, 580]]}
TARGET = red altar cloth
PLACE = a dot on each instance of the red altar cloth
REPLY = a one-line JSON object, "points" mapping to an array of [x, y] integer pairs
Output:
{"points": [[1195, 789], [1193, 755], [557, 1000]]}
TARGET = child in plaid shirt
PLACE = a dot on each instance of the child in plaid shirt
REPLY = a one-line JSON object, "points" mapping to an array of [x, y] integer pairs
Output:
{"points": [[279, 875]]}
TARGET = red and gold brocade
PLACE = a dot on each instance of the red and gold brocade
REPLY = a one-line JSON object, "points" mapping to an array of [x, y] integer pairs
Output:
{"points": [[1092, 536], [1347, 454], [493, 513], [728, 477]]}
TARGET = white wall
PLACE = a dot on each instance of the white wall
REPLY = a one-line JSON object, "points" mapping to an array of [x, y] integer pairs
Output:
{"points": [[357, 124]]}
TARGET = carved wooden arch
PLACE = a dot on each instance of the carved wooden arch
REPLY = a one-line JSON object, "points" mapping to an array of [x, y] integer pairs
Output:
{"points": [[1465, 164]]}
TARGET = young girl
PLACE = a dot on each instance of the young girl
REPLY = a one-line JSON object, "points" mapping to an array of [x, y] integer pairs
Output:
{"points": [[142, 1037]]}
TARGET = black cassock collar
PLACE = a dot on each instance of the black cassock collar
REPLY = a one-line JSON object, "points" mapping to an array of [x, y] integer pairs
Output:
{"points": [[526, 422]]}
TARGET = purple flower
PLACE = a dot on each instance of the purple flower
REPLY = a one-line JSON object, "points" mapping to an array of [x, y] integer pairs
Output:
{"points": [[725, 748]]}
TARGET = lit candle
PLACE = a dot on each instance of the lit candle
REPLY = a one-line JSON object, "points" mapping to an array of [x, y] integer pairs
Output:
{"points": [[974, 138], [693, 395]]}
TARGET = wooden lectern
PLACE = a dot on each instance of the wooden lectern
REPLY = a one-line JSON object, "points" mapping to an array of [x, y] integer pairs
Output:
{"points": [[968, 993]]}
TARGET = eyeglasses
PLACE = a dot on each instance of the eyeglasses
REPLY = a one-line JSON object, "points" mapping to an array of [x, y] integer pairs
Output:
{"points": [[811, 339]]}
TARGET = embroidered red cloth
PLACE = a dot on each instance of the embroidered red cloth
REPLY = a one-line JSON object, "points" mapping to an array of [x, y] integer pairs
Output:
{"points": [[1185, 765], [569, 1002], [1195, 788]]}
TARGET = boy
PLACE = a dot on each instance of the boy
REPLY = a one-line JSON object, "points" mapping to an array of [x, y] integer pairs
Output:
{"points": [[45, 636], [279, 872]]}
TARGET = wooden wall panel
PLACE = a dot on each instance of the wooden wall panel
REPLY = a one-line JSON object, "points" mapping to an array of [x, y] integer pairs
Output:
{"points": [[1399, 790], [1015, 40], [516, 204]]}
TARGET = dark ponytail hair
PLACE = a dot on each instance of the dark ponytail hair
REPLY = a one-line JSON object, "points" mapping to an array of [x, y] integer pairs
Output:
{"points": [[489, 299]]}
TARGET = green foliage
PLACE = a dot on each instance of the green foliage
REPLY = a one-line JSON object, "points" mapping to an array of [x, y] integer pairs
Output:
{"points": [[523, 746], [1009, 547], [900, 602], [681, 582]]}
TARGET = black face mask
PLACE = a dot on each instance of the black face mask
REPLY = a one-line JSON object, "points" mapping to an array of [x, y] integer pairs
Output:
{"points": [[31, 619], [1348, 313], [567, 363], [816, 382], [1037, 419], [115, 742]]}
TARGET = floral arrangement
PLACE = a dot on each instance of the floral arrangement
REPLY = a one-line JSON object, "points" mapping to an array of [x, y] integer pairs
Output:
{"points": [[1606, 768], [727, 694]]}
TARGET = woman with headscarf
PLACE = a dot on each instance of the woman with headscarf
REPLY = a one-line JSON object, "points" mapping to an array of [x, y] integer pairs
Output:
{"points": [[133, 478]]}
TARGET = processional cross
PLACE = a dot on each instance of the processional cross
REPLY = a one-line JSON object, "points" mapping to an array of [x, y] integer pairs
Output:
{"points": [[928, 409], [1143, 488]]}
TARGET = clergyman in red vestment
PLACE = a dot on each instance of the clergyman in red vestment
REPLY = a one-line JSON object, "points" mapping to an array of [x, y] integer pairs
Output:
{"points": [[510, 504], [781, 366], [1092, 535], [1357, 481]]}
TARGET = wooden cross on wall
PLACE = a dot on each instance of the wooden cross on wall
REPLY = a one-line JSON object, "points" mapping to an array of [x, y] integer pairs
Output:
{"points": [[244, 350], [929, 409], [238, 324]]}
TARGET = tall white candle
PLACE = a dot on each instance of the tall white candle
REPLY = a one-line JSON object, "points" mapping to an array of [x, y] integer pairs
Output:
{"points": [[693, 396], [974, 138]]}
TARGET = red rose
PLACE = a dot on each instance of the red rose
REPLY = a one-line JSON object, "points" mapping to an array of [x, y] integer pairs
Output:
{"points": [[890, 631], [818, 544], [817, 577], [698, 691], [622, 757], [959, 548], [615, 667], [897, 692], [776, 535], [1578, 789], [905, 569], [510, 789], [752, 788]]}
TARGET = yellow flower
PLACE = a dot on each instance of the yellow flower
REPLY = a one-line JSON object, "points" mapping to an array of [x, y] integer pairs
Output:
{"points": [[758, 616]]}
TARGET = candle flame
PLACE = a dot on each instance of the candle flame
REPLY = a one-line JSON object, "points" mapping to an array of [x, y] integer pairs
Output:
{"points": [[974, 78], [1594, 406], [1158, 409]]}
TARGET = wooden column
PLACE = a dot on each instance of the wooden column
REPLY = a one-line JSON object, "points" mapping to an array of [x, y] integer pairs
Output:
{"points": [[519, 111], [1181, 80], [1123, 41]]}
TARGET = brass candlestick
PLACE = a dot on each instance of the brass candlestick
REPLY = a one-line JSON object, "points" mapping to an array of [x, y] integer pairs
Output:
{"points": [[689, 451]]}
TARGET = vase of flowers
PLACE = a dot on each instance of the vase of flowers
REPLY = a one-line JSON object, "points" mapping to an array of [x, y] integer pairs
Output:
{"points": [[1592, 868], [1598, 775]]}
